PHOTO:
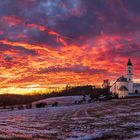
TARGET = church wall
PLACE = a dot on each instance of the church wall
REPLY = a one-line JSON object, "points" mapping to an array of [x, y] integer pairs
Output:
{"points": [[119, 84], [116, 86], [137, 89], [129, 74], [130, 87], [113, 89], [122, 94]]}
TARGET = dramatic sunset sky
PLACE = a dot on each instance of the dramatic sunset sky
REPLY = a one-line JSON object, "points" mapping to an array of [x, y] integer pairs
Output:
{"points": [[51, 43]]}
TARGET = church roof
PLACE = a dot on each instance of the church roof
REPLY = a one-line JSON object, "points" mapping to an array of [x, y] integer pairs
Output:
{"points": [[122, 79], [123, 88], [129, 62]]}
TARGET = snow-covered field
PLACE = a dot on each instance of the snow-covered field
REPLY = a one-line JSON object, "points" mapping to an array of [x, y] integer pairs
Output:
{"points": [[109, 120], [66, 100]]}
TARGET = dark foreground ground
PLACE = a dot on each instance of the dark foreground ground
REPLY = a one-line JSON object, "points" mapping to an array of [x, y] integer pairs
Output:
{"points": [[110, 120]]}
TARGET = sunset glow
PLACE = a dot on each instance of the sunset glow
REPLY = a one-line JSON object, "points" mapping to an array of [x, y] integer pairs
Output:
{"points": [[48, 44]]}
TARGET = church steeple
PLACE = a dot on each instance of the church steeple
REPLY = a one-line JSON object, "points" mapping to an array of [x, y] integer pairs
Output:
{"points": [[129, 71], [130, 75], [129, 62]]}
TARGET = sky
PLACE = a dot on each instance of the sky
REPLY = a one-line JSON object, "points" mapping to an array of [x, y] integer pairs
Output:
{"points": [[52, 43]]}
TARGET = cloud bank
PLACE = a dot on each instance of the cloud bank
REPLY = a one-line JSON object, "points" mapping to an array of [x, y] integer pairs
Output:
{"points": [[67, 41]]}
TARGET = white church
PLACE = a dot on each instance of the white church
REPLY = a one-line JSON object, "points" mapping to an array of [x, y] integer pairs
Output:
{"points": [[124, 86]]}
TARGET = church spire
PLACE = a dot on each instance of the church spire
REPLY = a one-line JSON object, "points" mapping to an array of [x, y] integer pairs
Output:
{"points": [[129, 62], [130, 75]]}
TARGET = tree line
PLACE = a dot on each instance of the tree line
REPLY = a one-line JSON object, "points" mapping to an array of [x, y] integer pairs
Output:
{"points": [[13, 99]]}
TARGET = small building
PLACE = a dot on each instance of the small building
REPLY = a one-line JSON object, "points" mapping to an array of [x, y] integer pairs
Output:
{"points": [[106, 84]]}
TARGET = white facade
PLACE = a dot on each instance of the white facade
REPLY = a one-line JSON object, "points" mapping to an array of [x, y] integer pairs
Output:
{"points": [[129, 76], [123, 86], [120, 87]]}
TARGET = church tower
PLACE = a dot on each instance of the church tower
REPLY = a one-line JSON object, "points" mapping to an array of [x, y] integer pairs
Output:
{"points": [[130, 75]]}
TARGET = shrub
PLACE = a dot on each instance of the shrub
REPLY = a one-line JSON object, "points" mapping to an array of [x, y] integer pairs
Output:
{"points": [[28, 106], [20, 107], [40, 105], [55, 104]]}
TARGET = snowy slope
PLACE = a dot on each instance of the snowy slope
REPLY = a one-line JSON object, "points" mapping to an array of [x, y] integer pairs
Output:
{"points": [[116, 119], [64, 100]]}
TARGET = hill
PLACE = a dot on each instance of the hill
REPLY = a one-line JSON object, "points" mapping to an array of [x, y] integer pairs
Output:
{"points": [[113, 119]]}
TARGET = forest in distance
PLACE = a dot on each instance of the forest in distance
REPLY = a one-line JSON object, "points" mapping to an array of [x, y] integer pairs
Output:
{"points": [[15, 99]]}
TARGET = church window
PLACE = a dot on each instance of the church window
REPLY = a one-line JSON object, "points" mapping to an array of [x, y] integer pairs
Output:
{"points": [[129, 71]]}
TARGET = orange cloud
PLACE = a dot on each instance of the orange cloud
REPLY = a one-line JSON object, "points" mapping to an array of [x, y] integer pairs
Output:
{"points": [[95, 63]]}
